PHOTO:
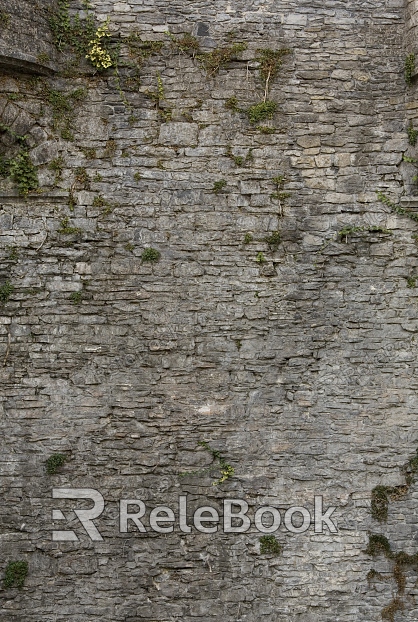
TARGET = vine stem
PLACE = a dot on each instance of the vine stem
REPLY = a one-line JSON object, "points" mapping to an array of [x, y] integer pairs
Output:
{"points": [[266, 90]]}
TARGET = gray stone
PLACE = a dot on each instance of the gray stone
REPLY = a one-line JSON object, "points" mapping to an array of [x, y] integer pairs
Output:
{"points": [[44, 153], [300, 371], [184, 134]]}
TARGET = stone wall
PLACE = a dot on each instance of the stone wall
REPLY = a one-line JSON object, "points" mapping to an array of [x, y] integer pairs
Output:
{"points": [[25, 38], [411, 24], [300, 369]]}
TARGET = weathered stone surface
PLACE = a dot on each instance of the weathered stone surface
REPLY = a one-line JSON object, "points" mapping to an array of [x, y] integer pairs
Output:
{"points": [[184, 134], [25, 39], [44, 153], [298, 365]]}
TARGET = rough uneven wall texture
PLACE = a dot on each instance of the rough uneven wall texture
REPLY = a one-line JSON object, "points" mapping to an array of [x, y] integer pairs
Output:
{"points": [[411, 25], [301, 370], [24, 34]]}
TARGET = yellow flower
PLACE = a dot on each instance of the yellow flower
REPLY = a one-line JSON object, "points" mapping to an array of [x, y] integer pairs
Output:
{"points": [[97, 55]]}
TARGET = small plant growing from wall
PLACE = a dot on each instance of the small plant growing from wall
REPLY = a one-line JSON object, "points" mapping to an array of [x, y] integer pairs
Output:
{"points": [[54, 462], [20, 168], [226, 469], [412, 135], [380, 503], [76, 297], [273, 240], [218, 186], [239, 160], [13, 97], [232, 104], [213, 61], [66, 229], [15, 575], [90, 152], [261, 111], [43, 58], [381, 495], [23, 173], [270, 62], [5, 292], [150, 255], [409, 68], [81, 177], [4, 19], [13, 253], [269, 545], [100, 201]]}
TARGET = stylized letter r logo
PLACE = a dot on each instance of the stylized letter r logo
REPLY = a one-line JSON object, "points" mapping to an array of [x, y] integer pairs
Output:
{"points": [[85, 516]]}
